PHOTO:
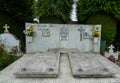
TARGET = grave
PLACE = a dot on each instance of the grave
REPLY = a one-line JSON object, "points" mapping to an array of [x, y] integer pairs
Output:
{"points": [[49, 36], [60, 53], [8, 40], [111, 55]]}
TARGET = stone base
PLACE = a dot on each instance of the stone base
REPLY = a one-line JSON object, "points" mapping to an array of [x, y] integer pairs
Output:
{"points": [[88, 66], [65, 74], [64, 50], [40, 65]]}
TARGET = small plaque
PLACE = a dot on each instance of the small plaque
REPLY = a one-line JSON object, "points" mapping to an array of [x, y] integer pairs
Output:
{"points": [[64, 34], [87, 35], [46, 32]]}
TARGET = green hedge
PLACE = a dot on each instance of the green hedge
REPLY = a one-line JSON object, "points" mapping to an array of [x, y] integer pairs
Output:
{"points": [[108, 26], [89, 7], [53, 10]]}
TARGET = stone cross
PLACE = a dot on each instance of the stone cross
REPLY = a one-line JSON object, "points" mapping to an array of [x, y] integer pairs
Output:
{"points": [[81, 29], [6, 28], [111, 47]]}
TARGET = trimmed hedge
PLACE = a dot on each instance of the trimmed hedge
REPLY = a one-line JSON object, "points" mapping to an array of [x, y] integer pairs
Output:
{"points": [[108, 26]]}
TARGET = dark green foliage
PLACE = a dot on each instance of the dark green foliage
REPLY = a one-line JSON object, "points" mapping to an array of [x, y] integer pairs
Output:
{"points": [[6, 58], [89, 7], [54, 9], [20, 10], [108, 26], [15, 13], [16, 27]]}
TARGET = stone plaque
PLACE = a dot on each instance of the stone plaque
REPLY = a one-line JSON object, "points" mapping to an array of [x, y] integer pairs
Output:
{"points": [[87, 35], [64, 34], [46, 32]]}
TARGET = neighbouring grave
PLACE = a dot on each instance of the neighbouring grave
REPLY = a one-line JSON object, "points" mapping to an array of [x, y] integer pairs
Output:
{"points": [[49, 36], [111, 55], [8, 40]]}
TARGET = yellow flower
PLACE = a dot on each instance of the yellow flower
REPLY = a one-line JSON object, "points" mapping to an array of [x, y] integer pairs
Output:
{"points": [[29, 32], [96, 33]]}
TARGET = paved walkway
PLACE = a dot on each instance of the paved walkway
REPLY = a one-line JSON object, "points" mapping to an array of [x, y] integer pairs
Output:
{"points": [[65, 76]]}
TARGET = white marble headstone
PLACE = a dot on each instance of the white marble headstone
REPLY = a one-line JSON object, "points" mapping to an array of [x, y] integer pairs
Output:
{"points": [[8, 40]]}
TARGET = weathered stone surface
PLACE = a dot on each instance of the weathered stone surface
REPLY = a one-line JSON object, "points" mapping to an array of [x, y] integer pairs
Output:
{"points": [[40, 65], [63, 50], [65, 76], [49, 36], [88, 65]]}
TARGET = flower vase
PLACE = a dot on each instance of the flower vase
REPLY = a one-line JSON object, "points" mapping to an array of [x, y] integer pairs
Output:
{"points": [[95, 39], [30, 39]]}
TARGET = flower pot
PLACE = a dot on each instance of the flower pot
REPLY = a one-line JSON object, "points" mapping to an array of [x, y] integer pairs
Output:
{"points": [[95, 39], [30, 39]]}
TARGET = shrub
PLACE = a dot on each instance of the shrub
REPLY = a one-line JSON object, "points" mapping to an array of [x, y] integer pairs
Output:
{"points": [[6, 58]]}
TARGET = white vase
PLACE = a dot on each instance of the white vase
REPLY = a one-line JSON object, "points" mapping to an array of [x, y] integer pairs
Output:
{"points": [[30, 39], [95, 39]]}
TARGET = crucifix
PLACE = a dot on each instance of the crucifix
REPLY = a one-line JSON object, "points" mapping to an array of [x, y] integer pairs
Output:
{"points": [[81, 29], [111, 47], [6, 28]]}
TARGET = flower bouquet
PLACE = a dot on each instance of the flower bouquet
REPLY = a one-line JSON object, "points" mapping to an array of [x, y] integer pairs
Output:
{"points": [[96, 33], [29, 32]]}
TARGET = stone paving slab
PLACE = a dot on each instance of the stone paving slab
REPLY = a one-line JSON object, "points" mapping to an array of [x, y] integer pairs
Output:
{"points": [[40, 65], [63, 50], [89, 65], [65, 75]]}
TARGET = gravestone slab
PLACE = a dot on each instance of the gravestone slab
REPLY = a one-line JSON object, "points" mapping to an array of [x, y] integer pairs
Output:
{"points": [[40, 65], [48, 36], [8, 40], [88, 66]]}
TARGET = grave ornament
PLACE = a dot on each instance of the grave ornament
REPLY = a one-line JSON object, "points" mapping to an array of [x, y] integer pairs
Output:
{"points": [[111, 54], [6, 28], [8, 40], [81, 29]]}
